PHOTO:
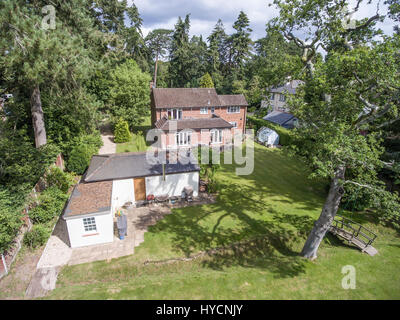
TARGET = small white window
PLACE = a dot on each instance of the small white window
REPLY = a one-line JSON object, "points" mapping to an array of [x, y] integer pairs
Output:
{"points": [[216, 136], [282, 98], [89, 224], [203, 110], [175, 114], [183, 138], [234, 109], [234, 124]]}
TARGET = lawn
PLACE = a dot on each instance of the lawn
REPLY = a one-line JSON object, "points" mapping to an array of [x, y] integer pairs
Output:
{"points": [[138, 141], [267, 216]]}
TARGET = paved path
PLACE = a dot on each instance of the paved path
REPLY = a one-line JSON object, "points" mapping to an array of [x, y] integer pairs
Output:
{"points": [[108, 144]]}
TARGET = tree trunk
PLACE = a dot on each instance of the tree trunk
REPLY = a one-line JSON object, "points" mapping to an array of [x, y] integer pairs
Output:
{"points": [[322, 225], [155, 72], [38, 118]]}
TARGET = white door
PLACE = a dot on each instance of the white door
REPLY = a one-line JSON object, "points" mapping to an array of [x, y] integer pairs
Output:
{"points": [[122, 192]]}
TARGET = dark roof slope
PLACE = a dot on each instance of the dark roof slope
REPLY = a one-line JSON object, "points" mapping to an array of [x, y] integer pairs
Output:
{"points": [[195, 124], [194, 97], [279, 117], [131, 165], [89, 198]]}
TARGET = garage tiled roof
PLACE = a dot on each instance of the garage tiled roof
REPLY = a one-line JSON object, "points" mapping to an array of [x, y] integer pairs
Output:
{"points": [[194, 97], [89, 198], [131, 165], [195, 124]]}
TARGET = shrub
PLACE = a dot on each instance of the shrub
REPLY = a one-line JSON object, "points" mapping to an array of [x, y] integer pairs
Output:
{"points": [[121, 132], [79, 159], [57, 178], [10, 219], [51, 203], [37, 236], [80, 151]]}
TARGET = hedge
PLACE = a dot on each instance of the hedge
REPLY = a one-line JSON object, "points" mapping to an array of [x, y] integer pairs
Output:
{"points": [[285, 136]]}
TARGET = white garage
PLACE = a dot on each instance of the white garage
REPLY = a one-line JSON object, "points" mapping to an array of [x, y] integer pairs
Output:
{"points": [[115, 179]]}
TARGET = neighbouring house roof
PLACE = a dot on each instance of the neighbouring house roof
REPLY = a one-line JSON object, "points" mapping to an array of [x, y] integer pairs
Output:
{"points": [[279, 117], [131, 165], [194, 123], [194, 97], [87, 198], [289, 87]]}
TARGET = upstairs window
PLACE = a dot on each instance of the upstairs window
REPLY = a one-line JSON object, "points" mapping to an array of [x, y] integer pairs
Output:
{"points": [[272, 96], [183, 138], [216, 136], [174, 114], [204, 110], [234, 109], [234, 124], [89, 224], [282, 98]]}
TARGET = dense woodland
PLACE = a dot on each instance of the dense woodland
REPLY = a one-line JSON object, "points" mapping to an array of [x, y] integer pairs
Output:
{"points": [[96, 64]]}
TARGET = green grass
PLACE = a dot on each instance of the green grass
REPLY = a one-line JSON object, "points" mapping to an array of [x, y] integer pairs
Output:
{"points": [[138, 142], [276, 206]]}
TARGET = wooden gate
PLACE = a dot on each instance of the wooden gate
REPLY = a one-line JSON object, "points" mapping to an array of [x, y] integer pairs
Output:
{"points": [[140, 189]]}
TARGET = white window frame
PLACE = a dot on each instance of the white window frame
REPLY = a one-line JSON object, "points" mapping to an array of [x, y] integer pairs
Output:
{"points": [[233, 109], [234, 123], [183, 138], [216, 136], [204, 110], [174, 114], [89, 224], [282, 98]]}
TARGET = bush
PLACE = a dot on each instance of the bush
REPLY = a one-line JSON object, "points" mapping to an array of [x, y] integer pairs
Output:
{"points": [[285, 136], [10, 219], [57, 178], [80, 151], [121, 132], [51, 203], [37, 236]]}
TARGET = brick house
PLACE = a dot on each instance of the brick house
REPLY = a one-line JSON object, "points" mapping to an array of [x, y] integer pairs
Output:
{"points": [[192, 116]]}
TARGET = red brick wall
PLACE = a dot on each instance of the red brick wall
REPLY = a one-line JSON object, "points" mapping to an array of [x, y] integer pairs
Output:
{"points": [[222, 112]]}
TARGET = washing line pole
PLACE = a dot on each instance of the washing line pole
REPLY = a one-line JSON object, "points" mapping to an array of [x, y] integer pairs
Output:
{"points": [[4, 263]]}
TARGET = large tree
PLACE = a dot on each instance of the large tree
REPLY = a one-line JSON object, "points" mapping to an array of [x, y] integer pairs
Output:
{"points": [[355, 87], [158, 42], [36, 54]]}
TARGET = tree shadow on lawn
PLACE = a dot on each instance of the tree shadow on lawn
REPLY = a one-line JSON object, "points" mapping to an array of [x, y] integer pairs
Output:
{"points": [[250, 233]]}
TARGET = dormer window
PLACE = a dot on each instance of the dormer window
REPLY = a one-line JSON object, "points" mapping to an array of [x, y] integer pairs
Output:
{"points": [[174, 114], [204, 110]]}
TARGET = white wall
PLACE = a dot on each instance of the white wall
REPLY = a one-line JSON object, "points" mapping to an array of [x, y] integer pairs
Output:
{"points": [[78, 237], [122, 191], [173, 184]]}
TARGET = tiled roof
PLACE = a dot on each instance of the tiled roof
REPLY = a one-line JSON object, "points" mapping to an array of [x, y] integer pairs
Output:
{"points": [[289, 87], [89, 198], [232, 100], [131, 165], [194, 97], [195, 124]]}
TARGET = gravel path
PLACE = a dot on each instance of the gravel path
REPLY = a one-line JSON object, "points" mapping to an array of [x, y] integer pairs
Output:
{"points": [[108, 144]]}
